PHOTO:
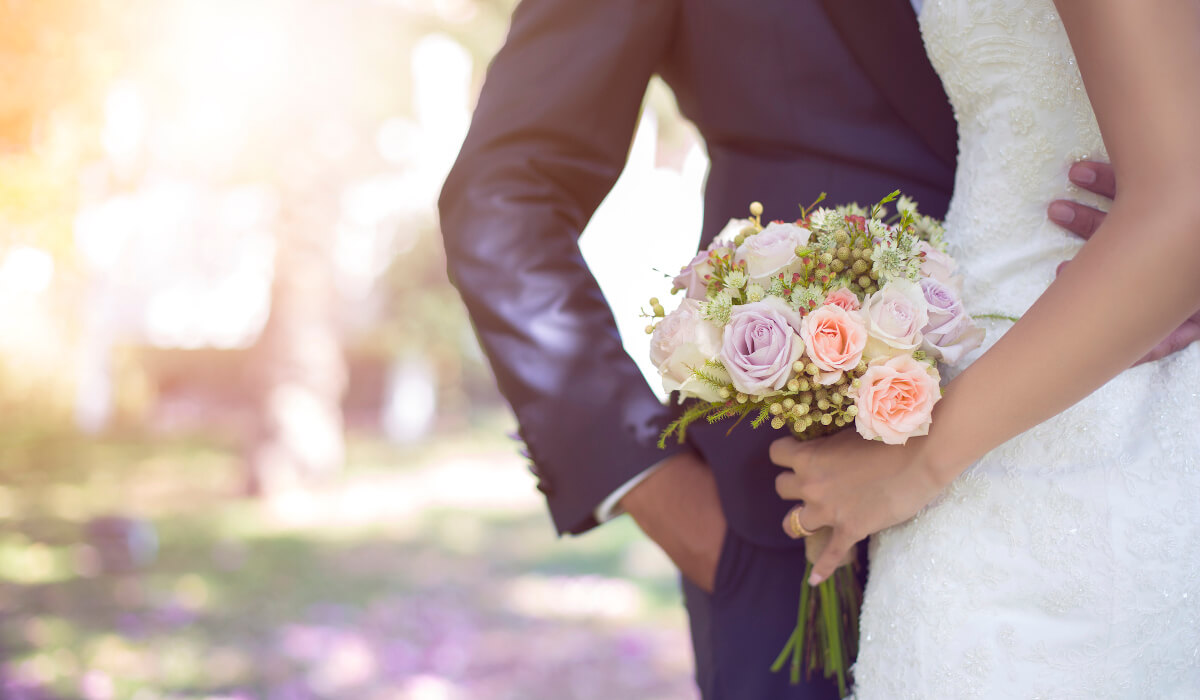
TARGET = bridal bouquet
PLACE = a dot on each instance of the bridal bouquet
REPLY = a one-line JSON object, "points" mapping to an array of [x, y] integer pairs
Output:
{"points": [[838, 318]]}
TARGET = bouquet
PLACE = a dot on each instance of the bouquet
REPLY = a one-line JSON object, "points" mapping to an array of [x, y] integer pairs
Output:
{"points": [[838, 318]]}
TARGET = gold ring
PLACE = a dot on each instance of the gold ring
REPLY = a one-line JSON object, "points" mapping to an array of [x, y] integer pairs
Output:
{"points": [[792, 525]]}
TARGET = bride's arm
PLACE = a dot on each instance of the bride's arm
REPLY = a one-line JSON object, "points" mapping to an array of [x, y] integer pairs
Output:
{"points": [[1139, 60]]}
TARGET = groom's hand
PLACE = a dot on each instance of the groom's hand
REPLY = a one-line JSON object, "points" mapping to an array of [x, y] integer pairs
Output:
{"points": [[678, 508], [1083, 221]]}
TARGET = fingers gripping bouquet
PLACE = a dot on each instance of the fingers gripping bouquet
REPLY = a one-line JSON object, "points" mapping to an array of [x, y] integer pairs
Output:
{"points": [[839, 318]]}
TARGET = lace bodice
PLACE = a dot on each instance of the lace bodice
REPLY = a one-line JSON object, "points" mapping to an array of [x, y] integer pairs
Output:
{"points": [[1066, 563], [1023, 118]]}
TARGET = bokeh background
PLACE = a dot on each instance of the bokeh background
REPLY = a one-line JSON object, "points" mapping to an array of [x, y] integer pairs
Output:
{"points": [[248, 445]]}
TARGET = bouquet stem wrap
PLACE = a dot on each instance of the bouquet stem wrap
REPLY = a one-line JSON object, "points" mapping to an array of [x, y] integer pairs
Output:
{"points": [[826, 633]]}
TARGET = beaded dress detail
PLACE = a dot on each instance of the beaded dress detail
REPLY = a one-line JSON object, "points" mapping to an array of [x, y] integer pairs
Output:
{"points": [[1066, 562]]}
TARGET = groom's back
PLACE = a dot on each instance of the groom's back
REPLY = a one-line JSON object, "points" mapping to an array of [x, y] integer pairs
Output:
{"points": [[793, 98]]}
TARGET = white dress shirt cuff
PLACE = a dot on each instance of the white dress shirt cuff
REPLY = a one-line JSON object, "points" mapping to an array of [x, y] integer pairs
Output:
{"points": [[610, 507]]}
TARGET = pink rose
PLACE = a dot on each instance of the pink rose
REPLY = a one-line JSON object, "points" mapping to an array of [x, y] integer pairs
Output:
{"points": [[950, 333], [682, 342], [834, 340], [760, 346], [693, 277], [844, 298], [894, 317], [771, 251], [937, 265], [895, 399]]}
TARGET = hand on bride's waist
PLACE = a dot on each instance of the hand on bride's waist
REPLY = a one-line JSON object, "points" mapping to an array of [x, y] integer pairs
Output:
{"points": [[1083, 221]]}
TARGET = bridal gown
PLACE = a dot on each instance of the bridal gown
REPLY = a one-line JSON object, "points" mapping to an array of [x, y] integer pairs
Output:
{"points": [[1065, 563]]}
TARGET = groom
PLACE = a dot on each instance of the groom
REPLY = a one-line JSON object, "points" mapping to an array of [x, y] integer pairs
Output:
{"points": [[793, 98]]}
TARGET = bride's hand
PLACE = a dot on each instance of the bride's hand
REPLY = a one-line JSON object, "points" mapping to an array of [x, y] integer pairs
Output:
{"points": [[852, 486]]}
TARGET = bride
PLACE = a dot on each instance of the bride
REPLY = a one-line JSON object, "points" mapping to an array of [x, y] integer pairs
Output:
{"points": [[1044, 539]]}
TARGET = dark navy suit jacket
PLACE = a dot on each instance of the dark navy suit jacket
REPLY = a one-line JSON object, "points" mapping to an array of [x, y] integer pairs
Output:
{"points": [[792, 97]]}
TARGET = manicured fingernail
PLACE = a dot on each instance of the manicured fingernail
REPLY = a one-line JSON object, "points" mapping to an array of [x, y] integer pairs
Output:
{"points": [[1083, 175], [1061, 213], [815, 580]]}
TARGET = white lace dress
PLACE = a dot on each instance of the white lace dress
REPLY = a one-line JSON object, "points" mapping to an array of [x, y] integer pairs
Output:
{"points": [[1066, 563]]}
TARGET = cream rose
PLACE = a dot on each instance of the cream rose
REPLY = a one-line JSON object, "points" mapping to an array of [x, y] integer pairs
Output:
{"points": [[894, 317], [771, 251], [731, 231], [895, 399], [682, 342]]}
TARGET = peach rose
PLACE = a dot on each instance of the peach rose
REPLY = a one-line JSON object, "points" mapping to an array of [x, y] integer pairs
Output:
{"points": [[895, 399], [844, 298], [834, 339]]}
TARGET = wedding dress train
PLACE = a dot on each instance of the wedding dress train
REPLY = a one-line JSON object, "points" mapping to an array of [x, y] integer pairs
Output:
{"points": [[1066, 563]]}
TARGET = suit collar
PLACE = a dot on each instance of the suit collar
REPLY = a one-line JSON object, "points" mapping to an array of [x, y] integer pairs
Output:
{"points": [[884, 38]]}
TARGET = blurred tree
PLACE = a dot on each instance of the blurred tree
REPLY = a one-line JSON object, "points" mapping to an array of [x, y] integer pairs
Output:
{"points": [[277, 92], [57, 58]]}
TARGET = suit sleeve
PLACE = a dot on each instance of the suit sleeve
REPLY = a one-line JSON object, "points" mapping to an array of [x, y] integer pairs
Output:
{"points": [[548, 139]]}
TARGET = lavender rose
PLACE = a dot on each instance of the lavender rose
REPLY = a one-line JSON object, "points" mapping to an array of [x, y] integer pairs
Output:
{"points": [[684, 341], [950, 333], [760, 345], [894, 317], [771, 251], [937, 265]]}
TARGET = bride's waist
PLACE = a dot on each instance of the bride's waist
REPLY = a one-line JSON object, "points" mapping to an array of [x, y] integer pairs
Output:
{"points": [[1006, 264]]}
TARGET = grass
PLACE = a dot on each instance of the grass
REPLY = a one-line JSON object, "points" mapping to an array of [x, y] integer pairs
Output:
{"points": [[428, 572]]}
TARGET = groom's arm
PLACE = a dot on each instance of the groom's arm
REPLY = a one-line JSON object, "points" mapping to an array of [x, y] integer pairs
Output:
{"points": [[1083, 221], [549, 137]]}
